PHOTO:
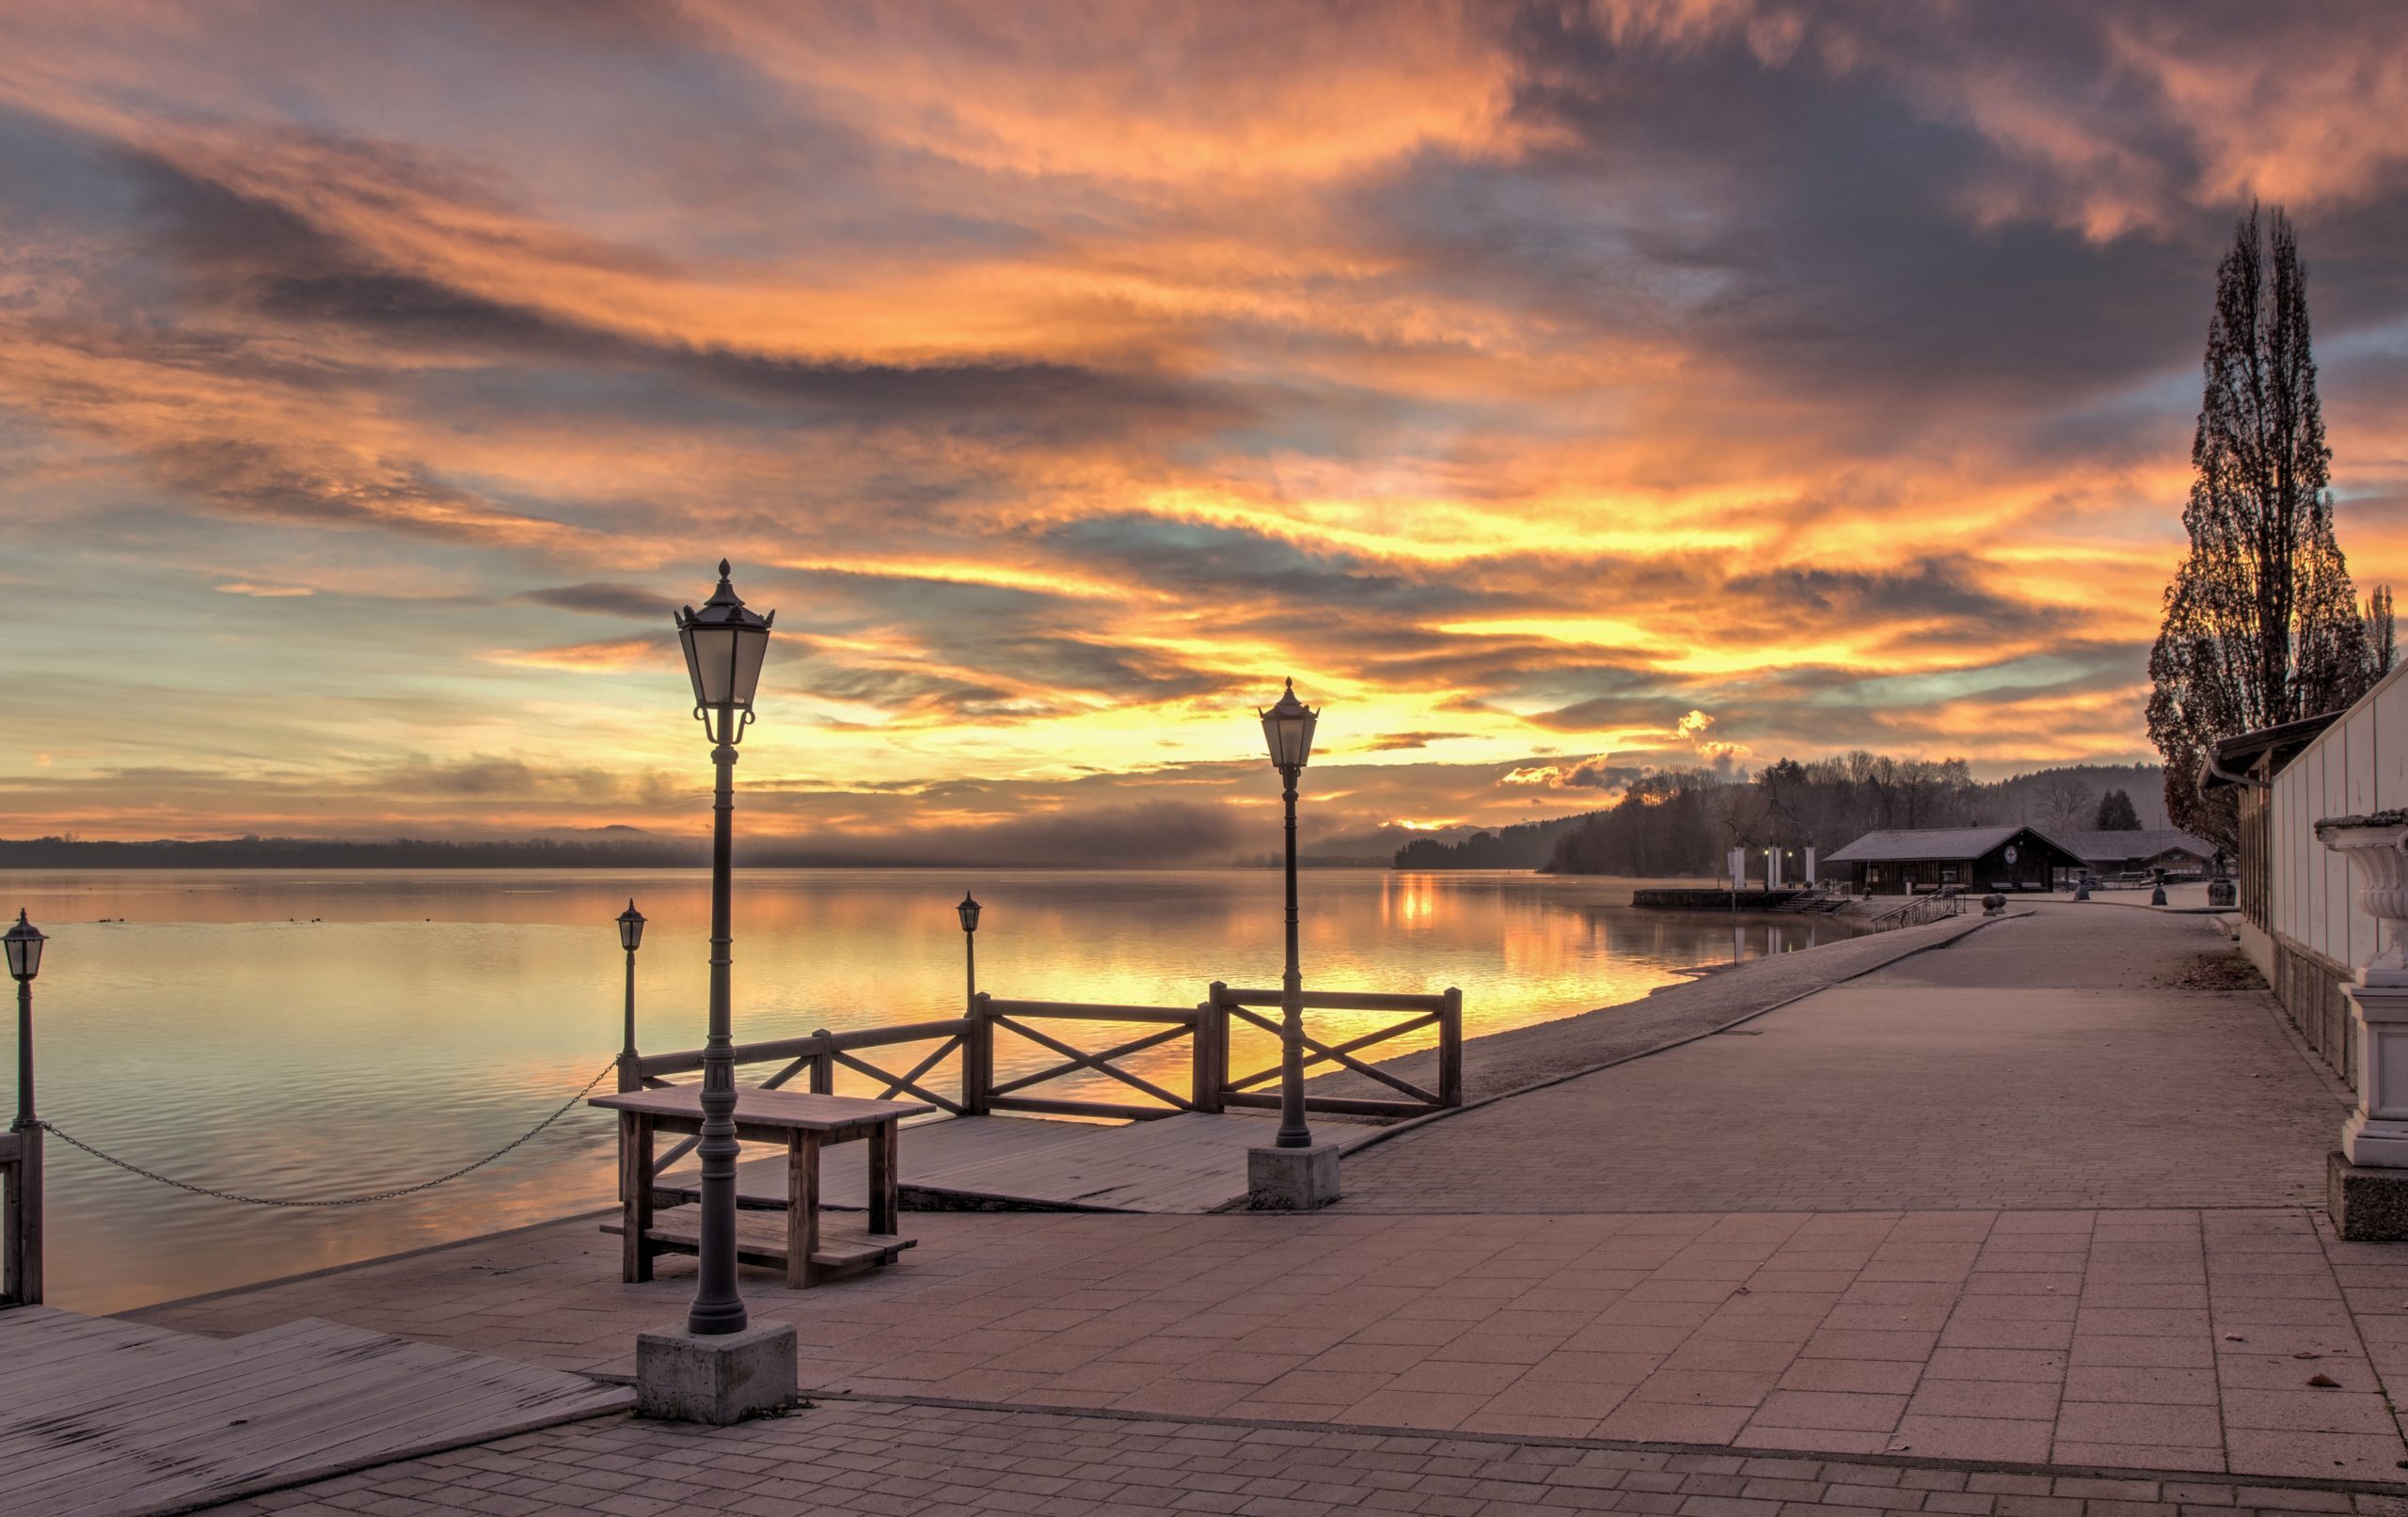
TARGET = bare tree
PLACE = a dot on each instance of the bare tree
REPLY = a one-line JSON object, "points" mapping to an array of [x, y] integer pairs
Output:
{"points": [[2261, 623], [2067, 801]]}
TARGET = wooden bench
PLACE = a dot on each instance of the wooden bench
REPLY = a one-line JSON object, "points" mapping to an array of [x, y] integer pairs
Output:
{"points": [[810, 1251]]}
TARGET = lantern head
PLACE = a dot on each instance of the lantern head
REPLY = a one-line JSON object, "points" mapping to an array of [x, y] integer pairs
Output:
{"points": [[631, 927], [969, 909], [724, 643], [1288, 728], [24, 945]]}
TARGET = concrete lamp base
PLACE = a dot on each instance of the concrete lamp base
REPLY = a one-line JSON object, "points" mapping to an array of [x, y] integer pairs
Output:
{"points": [[1291, 1179], [2368, 1205], [718, 1379]]}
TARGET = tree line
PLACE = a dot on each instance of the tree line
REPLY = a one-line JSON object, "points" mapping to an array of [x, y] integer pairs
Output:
{"points": [[1682, 822]]}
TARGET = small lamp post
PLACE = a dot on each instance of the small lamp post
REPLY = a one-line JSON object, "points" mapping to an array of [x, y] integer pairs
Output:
{"points": [[630, 939], [22, 943], [724, 643], [1288, 729], [969, 908], [21, 1219]]}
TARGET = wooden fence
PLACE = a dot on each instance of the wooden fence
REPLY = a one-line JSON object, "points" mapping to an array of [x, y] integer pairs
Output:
{"points": [[1052, 1025], [1919, 909], [20, 1218]]}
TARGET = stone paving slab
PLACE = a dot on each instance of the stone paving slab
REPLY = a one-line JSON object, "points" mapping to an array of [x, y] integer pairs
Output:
{"points": [[2136, 1339], [2050, 1061], [844, 1458]]}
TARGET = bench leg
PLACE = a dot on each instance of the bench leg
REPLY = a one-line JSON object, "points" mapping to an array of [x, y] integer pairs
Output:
{"points": [[802, 1209], [885, 1183], [635, 1197]]}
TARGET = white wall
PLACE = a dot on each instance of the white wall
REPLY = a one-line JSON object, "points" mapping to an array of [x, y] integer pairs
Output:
{"points": [[2358, 764]]}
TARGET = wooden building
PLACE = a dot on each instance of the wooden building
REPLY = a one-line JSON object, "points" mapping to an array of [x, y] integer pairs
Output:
{"points": [[1919, 861], [2133, 850]]}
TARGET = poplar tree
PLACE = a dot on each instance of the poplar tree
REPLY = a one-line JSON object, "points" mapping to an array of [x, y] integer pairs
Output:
{"points": [[2261, 623]]}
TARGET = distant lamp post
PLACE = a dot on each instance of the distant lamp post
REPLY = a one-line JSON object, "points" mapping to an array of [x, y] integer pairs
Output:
{"points": [[24, 944], [1288, 729], [969, 908], [630, 939], [724, 643], [21, 1213]]}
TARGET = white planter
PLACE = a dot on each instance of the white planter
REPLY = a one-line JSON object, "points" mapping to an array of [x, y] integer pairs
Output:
{"points": [[2377, 848]]}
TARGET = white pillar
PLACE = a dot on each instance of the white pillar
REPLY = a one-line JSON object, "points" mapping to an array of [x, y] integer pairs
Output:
{"points": [[1772, 869], [1812, 878], [1738, 863], [2376, 1134]]}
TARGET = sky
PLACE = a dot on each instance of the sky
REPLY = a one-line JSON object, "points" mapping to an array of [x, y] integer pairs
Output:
{"points": [[1554, 391]]}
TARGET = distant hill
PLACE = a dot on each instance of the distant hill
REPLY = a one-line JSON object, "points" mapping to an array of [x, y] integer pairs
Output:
{"points": [[1523, 845], [624, 848]]}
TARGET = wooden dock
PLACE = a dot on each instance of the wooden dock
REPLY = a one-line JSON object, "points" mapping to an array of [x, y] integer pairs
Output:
{"points": [[1193, 1161], [100, 1417]]}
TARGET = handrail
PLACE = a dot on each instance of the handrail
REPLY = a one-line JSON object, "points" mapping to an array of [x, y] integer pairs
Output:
{"points": [[1336, 999], [1916, 910]]}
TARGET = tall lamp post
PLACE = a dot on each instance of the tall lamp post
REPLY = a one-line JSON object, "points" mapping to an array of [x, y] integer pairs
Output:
{"points": [[630, 939], [20, 1249], [724, 643], [1288, 728]]}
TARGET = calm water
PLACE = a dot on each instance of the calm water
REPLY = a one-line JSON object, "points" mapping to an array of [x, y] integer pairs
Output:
{"points": [[324, 1034]]}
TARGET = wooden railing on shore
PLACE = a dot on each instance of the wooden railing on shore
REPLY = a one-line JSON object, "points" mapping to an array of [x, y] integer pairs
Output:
{"points": [[970, 1041], [20, 1218]]}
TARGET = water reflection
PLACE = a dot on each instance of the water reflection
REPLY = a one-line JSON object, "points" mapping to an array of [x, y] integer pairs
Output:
{"points": [[325, 1033]]}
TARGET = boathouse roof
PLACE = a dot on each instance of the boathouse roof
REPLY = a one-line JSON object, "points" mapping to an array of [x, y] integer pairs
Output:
{"points": [[1944, 844]]}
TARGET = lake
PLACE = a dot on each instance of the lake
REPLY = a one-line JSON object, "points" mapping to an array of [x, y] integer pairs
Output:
{"points": [[310, 1035]]}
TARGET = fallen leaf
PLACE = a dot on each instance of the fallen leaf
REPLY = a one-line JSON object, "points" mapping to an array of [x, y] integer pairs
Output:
{"points": [[2324, 1382], [2306, 1354], [2234, 1338]]}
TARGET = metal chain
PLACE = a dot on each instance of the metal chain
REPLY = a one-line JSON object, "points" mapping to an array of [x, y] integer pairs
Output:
{"points": [[340, 1201]]}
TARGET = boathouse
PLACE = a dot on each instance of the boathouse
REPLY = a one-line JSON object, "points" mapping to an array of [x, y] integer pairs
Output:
{"points": [[1918, 860], [2134, 849]]}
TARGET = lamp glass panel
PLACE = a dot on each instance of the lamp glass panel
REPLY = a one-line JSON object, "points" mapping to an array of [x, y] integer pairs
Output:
{"points": [[745, 677], [24, 956], [1290, 739], [711, 656]]}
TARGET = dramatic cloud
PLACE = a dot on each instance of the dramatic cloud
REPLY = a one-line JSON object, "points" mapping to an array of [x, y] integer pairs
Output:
{"points": [[1557, 391]]}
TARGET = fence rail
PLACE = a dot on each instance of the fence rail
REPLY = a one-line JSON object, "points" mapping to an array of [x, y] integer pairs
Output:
{"points": [[20, 1218], [971, 1042]]}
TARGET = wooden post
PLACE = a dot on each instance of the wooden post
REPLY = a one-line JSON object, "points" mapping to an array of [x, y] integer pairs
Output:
{"points": [[802, 1206], [635, 1197], [20, 1219], [823, 1064], [978, 1057], [886, 1178], [1211, 1062], [1450, 1049]]}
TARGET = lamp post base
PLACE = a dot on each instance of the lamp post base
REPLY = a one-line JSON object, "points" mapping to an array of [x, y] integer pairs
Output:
{"points": [[2368, 1205], [727, 1377], [1291, 1179]]}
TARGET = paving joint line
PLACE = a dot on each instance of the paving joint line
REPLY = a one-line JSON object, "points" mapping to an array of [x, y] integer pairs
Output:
{"points": [[1905, 1461]]}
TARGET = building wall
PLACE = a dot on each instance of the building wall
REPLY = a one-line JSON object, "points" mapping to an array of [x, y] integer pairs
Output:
{"points": [[2314, 932]]}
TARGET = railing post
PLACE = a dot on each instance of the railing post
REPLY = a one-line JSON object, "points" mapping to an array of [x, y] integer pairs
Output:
{"points": [[1450, 1048], [823, 1064], [1207, 1061], [978, 1057]]}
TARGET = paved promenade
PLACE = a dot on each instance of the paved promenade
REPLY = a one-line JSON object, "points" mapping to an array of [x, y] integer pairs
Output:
{"points": [[2027, 1209]]}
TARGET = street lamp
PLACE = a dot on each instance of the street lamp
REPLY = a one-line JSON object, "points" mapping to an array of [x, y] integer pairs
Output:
{"points": [[724, 643], [630, 939], [1288, 728], [24, 945], [969, 908]]}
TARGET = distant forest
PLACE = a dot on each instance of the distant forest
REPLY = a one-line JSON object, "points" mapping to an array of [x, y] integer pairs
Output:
{"points": [[1679, 822], [636, 852]]}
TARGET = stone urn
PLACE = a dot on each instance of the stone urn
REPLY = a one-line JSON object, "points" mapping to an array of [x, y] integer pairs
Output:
{"points": [[2376, 1134], [1993, 904]]}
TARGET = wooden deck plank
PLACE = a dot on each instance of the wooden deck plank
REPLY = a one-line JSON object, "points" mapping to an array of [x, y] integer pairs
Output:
{"points": [[157, 1420], [1193, 1161]]}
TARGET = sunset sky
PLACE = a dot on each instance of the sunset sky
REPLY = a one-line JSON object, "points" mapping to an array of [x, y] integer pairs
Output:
{"points": [[1554, 391]]}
